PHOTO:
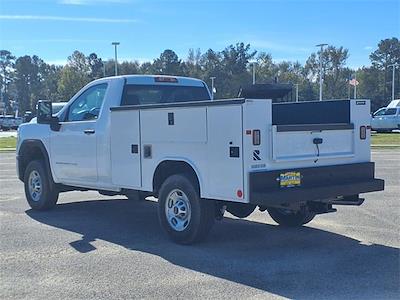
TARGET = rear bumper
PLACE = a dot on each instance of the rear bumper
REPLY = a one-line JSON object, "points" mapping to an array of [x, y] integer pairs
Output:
{"points": [[317, 183]]}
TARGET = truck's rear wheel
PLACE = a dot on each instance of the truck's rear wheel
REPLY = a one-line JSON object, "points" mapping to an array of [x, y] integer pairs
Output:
{"points": [[39, 191], [240, 210], [290, 218], [182, 213]]}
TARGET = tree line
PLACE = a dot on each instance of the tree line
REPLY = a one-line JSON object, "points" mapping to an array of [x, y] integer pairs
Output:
{"points": [[26, 79]]}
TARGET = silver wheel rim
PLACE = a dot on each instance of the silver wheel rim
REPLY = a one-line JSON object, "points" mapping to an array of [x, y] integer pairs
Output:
{"points": [[35, 185], [177, 210]]}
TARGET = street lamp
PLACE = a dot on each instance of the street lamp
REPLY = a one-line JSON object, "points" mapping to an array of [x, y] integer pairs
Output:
{"points": [[393, 70], [254, 72], [212, 87], [116, 62], [320, 69]]}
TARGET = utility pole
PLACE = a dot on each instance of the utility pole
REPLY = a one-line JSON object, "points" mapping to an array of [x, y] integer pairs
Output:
{"points": [[212, 87], [116, 61], [254, 73], [355, 85], [393, 73], [320, 69]]}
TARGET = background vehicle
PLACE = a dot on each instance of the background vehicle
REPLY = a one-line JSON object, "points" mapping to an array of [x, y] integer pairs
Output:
{"points": [[7, 122], [16, 121], [387, 118], [163, 136]]}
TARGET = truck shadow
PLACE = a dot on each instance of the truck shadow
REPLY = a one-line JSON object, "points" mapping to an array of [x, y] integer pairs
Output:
{"points": [[294, 263]]}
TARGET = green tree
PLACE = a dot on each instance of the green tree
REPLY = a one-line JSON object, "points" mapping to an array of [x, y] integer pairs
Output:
{"points": [[168, 63], [7, 61], [71, 81], [335, 76], [25, 82], [74, 76], [371, 86], [388, 53], [95, 65]]}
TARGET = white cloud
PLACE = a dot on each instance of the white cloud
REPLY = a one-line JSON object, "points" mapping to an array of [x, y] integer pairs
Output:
{"points": [[67, 19], [368, 48], [91, 2]]}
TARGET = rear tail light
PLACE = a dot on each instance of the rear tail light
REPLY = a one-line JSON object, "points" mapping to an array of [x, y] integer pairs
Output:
{"points": [[256, 137], [363, 132]]}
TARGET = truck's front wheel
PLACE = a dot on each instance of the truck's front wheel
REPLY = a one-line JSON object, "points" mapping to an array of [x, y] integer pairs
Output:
{"points": [[39, 191], [182, 213], [290, 218]]}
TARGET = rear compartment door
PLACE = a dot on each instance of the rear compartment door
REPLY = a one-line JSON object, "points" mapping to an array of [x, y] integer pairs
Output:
{"points": [[312, 142]]}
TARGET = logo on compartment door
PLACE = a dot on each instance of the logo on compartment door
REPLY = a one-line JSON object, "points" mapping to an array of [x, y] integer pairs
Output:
{"points": [[256, 155]]}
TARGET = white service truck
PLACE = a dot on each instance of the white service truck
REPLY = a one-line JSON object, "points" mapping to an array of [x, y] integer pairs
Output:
{"points": [[163, 136]]}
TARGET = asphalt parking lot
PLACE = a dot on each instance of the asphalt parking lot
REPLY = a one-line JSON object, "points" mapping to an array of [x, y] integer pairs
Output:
{"points": [[96, 247]]}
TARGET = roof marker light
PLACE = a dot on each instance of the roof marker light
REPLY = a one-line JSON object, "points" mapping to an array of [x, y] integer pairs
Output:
{"points": [[165, 79]]}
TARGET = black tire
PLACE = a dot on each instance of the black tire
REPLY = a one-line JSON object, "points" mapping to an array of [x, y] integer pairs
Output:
{"points": [[202, 212], [48, 196], [290, 218], [240, 210], [136, 196]]}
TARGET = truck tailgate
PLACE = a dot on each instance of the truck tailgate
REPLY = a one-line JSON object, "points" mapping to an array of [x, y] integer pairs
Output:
{"points": [[312, 141]]}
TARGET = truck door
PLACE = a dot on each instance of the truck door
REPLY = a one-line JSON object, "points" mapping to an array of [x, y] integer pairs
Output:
{"points": [[389, 119], [73, 147], [125, 149]]}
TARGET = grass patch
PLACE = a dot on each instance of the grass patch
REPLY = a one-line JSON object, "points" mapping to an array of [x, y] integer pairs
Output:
{"points": [[392, 139], [9, 142]]}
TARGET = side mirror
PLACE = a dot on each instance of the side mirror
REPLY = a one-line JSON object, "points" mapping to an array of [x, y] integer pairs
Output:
{"points": [[44, 112], [45, 115]]}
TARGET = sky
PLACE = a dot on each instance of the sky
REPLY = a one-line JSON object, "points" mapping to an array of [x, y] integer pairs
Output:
{"points": [[287, 29]]}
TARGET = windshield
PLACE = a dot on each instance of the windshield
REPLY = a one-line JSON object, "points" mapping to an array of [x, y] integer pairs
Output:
{"points": [[156, 94]]}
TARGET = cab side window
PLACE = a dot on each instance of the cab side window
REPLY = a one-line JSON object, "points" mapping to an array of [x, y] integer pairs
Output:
{"points": [[87, 106], [390, 112]]}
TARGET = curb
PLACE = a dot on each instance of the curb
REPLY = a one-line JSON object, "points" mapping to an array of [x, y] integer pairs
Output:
{"points": [[7, 149]]}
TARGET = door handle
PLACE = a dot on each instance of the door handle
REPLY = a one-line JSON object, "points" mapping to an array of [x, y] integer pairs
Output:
{"points": [[89, 131]]}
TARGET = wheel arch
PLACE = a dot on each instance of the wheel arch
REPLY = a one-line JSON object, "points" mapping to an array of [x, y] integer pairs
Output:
{"points": [[168, 167], [32, 150]]}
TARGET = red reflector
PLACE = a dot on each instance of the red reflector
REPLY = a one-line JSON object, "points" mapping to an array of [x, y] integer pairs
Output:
{"points": [[165, 79], [239, 193], [363, 132], [256, 137]]}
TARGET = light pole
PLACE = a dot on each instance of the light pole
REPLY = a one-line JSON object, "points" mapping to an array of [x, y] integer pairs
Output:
{"points": [[212, 87], [320, 69], [297, 92], [393, 70], [116, 61], [254, 72], [355, 85]]}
